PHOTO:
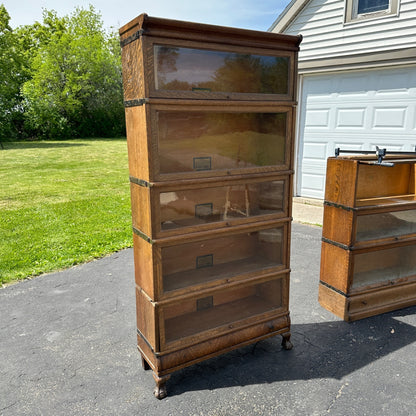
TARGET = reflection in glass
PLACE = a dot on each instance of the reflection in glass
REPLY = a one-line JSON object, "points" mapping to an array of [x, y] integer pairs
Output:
{"points": [[198, 141], [384, 265], [384, 225], [202, 206], [190, 264], [186, 69], [192, 317]]}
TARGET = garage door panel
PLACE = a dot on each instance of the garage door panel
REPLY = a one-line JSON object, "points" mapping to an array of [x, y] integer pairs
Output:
{"points": [[312, 185], [314, 167], [353, 110], [388, 145], [412, 118], [388, 117], [349, 146], [315, 151], [317, 118], [351, 118]]}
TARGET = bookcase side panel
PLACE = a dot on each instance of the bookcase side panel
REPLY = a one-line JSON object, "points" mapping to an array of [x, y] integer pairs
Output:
{"points": [[143, 265], [141, 208], [338, 225], [333, 301], [137, 141], [147, 325], [335, 267], [132, 70], [340, 185]]}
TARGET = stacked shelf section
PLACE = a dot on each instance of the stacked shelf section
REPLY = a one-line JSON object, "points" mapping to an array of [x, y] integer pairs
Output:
{"points": [[368, 262], [210, 117]]}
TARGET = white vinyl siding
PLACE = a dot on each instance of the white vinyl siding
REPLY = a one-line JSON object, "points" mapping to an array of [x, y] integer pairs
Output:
{"points": [[321, 22]]}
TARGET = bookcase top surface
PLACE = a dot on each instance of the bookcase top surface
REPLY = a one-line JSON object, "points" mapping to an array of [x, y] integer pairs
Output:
{"points": [[146, 25]]}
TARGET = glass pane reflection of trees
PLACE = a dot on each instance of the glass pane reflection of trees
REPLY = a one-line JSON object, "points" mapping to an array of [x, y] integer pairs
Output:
{"points": [[186, 69]]}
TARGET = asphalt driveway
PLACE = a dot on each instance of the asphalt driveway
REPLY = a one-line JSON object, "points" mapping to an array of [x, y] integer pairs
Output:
{"points": [[68, 347]]}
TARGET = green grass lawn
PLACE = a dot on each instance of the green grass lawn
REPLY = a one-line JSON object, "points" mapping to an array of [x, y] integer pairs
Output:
{"points": [[61, 203]]}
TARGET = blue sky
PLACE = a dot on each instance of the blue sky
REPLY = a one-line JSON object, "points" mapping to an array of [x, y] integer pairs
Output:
{"points": [[246, 14]]}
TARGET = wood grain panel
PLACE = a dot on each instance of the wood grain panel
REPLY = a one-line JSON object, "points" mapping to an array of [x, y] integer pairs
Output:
{"points": [[141, 209], [146, 319], [341, 177], [137, 141], [378, 181], [144, 266], [131, 58], [335, 266], [338, 225], [333, 301]]}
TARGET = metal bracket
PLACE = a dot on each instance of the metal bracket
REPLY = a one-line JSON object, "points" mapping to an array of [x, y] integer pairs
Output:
{"points": [[142, 235], [131, 38], [136, 103], [380, 153], [333, 204], [140, 182]]}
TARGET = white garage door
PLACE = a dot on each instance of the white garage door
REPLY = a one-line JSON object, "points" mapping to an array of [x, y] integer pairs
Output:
{"points": [[352, 110]]}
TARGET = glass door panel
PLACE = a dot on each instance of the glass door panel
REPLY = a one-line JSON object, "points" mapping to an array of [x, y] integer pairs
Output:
{"points": [[189, 69], [203, 141], [199, 262], [193, 207], [384, 265], [386, 224], [221, 309]]}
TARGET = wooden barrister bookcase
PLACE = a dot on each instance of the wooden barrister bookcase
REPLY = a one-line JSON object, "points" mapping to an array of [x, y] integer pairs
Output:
{"points": [[368, 261], [210, 116]]}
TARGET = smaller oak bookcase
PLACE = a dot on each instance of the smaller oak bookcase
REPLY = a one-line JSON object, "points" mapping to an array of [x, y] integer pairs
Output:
{"points": [[368, 258], [210, 114]]}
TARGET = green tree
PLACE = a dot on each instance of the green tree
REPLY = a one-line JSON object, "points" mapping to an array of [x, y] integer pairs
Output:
{"points": [[12, 75], [75, 89]]}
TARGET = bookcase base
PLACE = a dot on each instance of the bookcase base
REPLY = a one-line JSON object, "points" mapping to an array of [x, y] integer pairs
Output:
{"points": [[163, 365], [367, 303]]}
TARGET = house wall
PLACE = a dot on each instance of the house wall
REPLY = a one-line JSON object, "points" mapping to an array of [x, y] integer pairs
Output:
{"points": [[357, 87], [354, 110], [325, 35]]}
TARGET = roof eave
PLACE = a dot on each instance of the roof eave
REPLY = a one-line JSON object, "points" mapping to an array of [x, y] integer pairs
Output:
{"points": [[287, 16]]}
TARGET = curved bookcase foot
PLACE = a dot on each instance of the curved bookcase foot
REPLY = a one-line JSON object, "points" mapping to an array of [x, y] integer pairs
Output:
{"points": [[286, 344], [160, 390]]}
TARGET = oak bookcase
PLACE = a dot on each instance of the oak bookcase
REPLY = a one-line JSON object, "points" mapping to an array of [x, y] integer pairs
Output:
{"points": [[210, 115], [368, 258]]}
